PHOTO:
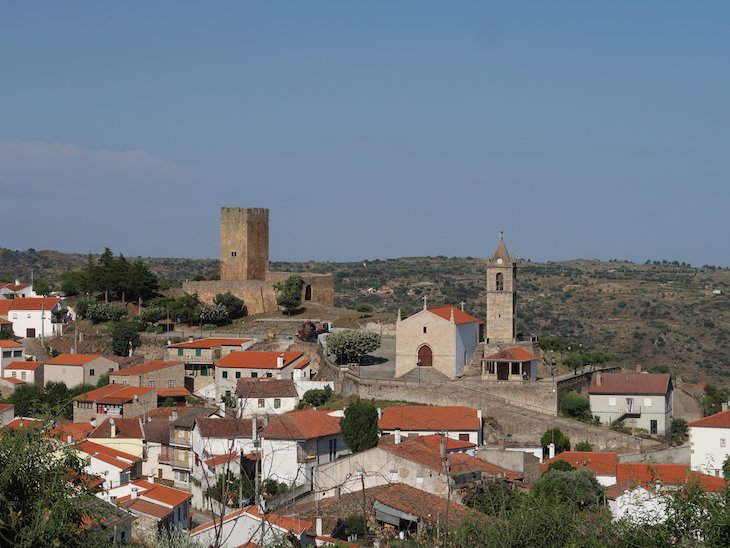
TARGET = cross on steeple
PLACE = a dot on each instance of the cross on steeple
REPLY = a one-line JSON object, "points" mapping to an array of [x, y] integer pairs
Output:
{"points": [[462, 303], [425, 300]]}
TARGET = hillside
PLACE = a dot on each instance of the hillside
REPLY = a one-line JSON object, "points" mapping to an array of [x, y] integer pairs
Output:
{"points": [[665, 317]]}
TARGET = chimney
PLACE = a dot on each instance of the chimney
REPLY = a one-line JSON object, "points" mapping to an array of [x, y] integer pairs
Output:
{"points": [[190, 338], [380, 413], [442, 447], [599, 380], [173, 416], [318, 526], [113, 428], [397, 436], [133, 495], [151, 477], [638, 368], [479, 416], [92, 422], [17, 281], [551, 450], [723, 405], [222, 407], [254, 428], [280, 361], [69, 439]]}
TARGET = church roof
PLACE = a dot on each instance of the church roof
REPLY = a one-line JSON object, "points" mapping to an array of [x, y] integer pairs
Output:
{"points": [[460, 316], [501, 252]]}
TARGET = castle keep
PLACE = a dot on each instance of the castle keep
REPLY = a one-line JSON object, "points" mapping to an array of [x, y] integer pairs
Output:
{"points": [[244, 264]]}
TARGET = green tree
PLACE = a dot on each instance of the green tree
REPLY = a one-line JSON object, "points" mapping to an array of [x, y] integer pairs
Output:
{"points": [[575, 406], [360, 426], [583, 446], [43, 500], [713, 398], [317, 397], [576, 487], [496, 499], [125, 337], [152, 314], [289, 294], [556, 436], [233, 305], [349, 346], [561, 465], [212, 314], [41, 286], [138, 281], [726, 468]]}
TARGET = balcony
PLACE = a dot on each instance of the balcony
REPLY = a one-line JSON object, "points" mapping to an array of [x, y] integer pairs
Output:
{"points": [[176, 460]]}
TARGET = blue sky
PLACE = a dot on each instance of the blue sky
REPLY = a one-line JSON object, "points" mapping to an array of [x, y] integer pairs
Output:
{"points": [[370, 130]]}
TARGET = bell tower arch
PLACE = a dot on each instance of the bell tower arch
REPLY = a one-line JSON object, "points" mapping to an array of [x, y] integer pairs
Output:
{"points": [[501, 296]]}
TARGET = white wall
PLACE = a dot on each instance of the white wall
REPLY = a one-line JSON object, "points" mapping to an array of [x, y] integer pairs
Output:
{"points": [[250, 406], [40, 320], [452, 434], [239, 531], [709, 449], [279, 462], [113, 476], [639, 506], [466, 343]]}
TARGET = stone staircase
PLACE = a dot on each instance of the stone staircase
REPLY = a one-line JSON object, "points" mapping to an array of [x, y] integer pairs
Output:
{"points": [[425, 375], [474, 369]]}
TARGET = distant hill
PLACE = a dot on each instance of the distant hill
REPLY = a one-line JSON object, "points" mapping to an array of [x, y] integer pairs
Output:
{"points": [[662, 316]]}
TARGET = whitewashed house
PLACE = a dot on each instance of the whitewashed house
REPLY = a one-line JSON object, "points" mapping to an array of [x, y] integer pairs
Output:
{"points": [[265, 396], [34, 317], [257, 365], [455, 422], [10, 351], [709, 441]]}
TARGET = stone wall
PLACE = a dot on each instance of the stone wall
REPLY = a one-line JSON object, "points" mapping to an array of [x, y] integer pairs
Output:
{"points": [[322, 286], [244, 241]]}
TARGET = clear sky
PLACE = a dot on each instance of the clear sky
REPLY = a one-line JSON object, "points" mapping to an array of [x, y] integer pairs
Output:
{"points": [[369, 129]]}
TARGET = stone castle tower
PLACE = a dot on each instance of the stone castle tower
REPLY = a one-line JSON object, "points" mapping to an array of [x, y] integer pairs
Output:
{"points": [[244, 243], [501, 297]]}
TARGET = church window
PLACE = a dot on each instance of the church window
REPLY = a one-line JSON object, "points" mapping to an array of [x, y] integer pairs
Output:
{"points": [[424, 329], [233, 253], [500, 281]]}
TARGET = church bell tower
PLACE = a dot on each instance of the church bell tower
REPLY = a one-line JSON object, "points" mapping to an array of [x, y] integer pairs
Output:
{"points": [[501, 296]]}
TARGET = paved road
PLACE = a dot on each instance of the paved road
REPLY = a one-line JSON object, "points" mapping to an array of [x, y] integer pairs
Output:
{"points": [[386, 356]]}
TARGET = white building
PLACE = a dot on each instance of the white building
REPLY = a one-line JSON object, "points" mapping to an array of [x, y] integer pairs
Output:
{"points": [[709, 441], [29, 372], [16, 290], [34, 317], [10, 351], [257, 365], [114, 467], [265, 396]]}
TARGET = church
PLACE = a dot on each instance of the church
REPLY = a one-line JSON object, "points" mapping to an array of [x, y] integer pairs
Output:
{"points": [[446, 338]]}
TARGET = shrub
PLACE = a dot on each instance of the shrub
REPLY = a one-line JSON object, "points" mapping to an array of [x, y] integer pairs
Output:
{"points": [[583, 446], [575, 406]]}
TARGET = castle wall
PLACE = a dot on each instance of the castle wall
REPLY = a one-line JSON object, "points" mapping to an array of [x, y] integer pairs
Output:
{"points": [[322, 285]]}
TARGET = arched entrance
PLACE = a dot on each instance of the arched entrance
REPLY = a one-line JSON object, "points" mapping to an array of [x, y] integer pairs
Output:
{"points": [[425, 356], [308, 293]]}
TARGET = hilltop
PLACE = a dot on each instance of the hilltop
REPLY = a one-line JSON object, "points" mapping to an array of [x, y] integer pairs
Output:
{"points": [[666, 317]]}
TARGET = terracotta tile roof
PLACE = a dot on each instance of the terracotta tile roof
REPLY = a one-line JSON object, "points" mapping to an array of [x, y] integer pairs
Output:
{"points": [[258, 360], [514, 354], [666, 474], [210, 343], [162, 494], [5, 343], [430, 509], [3, 321], [222, 459], [142, 368], [718, 420], [5, 406], [172, 392], [73, 359], [139, 506], [118, 459], [630, 383], [12, 380], [306, 424], [114, 393], [26, 366], [224, 428], [77, 430], [165, 413], [614, 491], [427, 417], [460, 316], [459, 463], [295, 525], [601, 464], [157, 431], [265, 388], [126, 428], [13, 286], [5, 306], [31, 303], [23, 422], [433, 442]]}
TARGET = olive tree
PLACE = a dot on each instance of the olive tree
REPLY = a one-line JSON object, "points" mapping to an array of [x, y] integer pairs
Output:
{"points": [[350, 346]]}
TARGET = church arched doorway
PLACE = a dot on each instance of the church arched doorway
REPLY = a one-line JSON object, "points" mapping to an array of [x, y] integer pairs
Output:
{"points": [[425, 356], [308, 293]]}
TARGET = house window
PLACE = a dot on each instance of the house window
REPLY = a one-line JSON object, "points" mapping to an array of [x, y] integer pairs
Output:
{"points": [[262, 403], [515, 369], [15, 316], [91, 372], [424, 329], [238, 374], [151, 384], [198, 352], [29, 316], [18, 353], [612, 402], [254, 375], [224, 374], [722, 442], [7, 354], [269, 375], [233, 253], [171, 383], [15, 374], [22, 375], [277, 403], [463, 437], [180, 351], [647, 402], [125, 382]]}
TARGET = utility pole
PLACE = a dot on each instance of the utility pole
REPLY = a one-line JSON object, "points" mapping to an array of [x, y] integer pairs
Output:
{"points": [[364, 506]]}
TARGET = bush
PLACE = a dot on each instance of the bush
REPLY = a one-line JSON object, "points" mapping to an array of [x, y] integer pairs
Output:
{"points": [[125, 337], [583, 446], [360, 426], [556, 436], [318, 397], [575, 406], [577, 487], [561, 465], [350, 346], [152, 314]]}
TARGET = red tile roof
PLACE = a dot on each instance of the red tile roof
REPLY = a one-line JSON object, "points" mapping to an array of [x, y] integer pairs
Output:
{"points": [[5, 306], [23, 422], [5, 343], [5, 406], [73, 359], [630, 383], [139, 506], [172, 392], [114, 393], [427, 417], [718, 420], [162, 494], [125, 428], [3, 321], [224, 428], [258, 360], [222, 459], [12, 380], [119, 459], [429, 508], [306, 424], [514, 354], [601, 464], [142, 368], [614, 491], [31, 303], [295, 525], [77, 430], [459, 315], [210, 343], [433, 442], [27, 366], [666, 474]]}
